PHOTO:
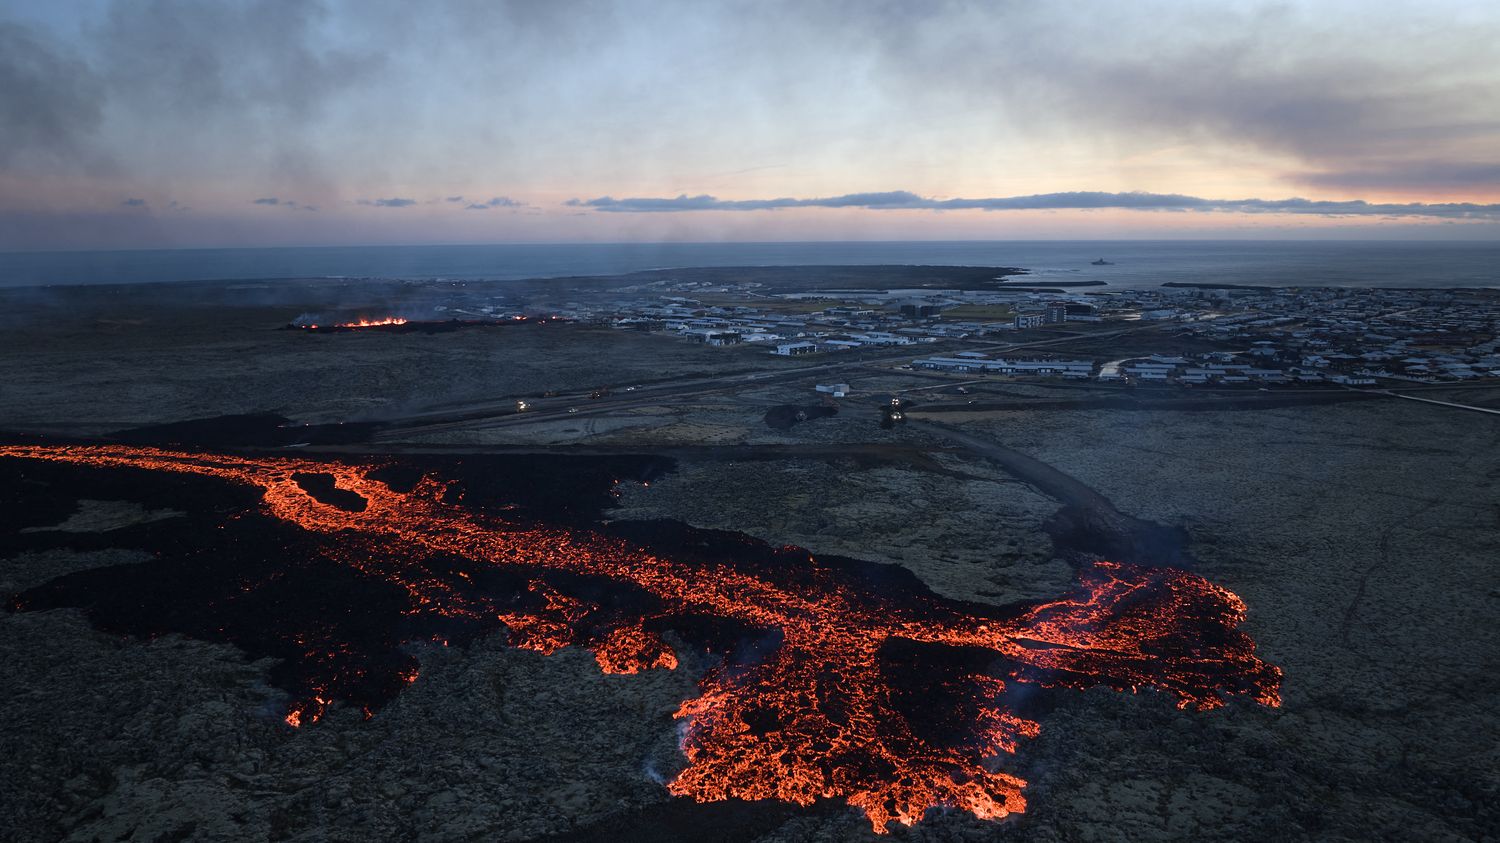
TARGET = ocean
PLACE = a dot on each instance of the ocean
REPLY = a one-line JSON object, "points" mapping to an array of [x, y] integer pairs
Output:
{"points": [[1134, 263]]}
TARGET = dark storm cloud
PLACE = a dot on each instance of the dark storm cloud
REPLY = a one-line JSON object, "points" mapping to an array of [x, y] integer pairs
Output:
{"points": [[49, 103], [394, 202], [134, 203], [269, 200], [1076, 200]]}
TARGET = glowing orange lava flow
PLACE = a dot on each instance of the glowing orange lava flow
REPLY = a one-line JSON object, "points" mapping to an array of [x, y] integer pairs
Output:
{"points": [[821, 715], [372, 323]]}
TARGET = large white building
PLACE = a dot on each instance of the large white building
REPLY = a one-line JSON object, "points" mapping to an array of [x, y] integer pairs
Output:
{"points": [[1062, 368]]}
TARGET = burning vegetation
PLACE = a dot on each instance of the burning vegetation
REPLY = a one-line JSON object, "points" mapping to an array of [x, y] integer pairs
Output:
{"points": [[388, 322], [836, 679], [402, 325]]}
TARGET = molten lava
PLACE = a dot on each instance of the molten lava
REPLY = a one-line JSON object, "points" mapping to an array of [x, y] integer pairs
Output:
{"points": [[890, 700], [401, 325], [374, 323]]}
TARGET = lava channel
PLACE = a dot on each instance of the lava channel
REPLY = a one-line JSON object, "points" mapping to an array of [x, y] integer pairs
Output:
{"points": [[890, 699]]}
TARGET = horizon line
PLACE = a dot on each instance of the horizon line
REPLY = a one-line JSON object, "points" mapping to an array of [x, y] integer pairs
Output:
{"points": [[1494, 241]]}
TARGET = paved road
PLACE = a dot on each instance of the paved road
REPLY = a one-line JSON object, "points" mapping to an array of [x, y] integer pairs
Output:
{"points": [[1088, 522], [501, 412], [1490, 410]]}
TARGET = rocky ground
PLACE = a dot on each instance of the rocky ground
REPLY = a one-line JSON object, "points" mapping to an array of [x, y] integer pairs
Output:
{"points": [[1365, 554], [94, 375], [1361, 536]]}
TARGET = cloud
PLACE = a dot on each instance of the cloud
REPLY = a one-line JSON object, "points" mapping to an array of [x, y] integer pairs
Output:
{"points": [[289, 204], [1074, 200], [1405, 175], [703, 202], [237, 98], [497, 202], [134, 203], [1318, 84], [394, 202], [200, 76], [257, 61], [49, 103]]}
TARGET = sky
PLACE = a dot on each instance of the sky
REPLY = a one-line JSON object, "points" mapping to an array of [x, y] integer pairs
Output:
{"points": [[168, 123]]}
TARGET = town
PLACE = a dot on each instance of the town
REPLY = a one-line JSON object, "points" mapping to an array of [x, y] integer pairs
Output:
{"points": [[1202, 334]]}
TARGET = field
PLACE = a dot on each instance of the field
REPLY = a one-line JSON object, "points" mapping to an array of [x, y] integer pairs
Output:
{"points": [[1359, 534]]}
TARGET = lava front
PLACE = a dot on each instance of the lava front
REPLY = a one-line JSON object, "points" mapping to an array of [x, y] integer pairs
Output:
{"points": [[832, 705]]}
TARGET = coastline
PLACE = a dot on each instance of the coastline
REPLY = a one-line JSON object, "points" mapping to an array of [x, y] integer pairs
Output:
{"points": [[1463, 264]]}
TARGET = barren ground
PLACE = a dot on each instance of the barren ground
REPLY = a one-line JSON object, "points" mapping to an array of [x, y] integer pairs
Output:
{"points": [[1361, 536]]}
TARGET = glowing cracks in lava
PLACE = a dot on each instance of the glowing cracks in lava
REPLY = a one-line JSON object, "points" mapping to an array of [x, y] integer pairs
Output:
{"points": [[825, 713], [307, 711], [631, 649]]}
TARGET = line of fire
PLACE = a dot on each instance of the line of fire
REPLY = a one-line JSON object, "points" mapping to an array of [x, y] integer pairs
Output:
{"points": [[403, 325]]}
